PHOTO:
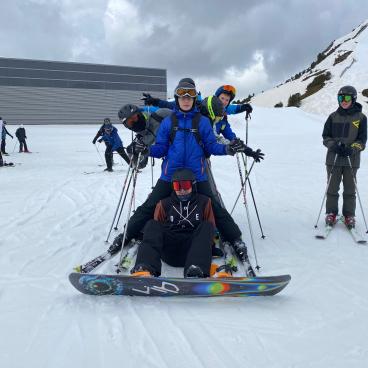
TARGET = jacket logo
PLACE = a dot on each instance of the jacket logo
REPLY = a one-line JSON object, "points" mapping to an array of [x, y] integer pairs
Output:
{"points": [[356, 123]]}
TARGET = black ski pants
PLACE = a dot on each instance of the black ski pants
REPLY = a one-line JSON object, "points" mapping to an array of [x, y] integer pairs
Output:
{"points": [[22, 145], [224, 222], [177, 249], [109, 155], [3, 144]]}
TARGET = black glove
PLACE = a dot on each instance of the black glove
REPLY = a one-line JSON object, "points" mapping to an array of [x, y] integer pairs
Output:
{"points": [[257, 155], [149, 100], [136, 147], [246, 107], [346, 151], [94, 140], [237, 145], [100, 140]]}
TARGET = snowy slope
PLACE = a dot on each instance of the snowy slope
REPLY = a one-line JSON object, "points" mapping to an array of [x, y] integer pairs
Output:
{"points": [[351, 71], [53, 217]]}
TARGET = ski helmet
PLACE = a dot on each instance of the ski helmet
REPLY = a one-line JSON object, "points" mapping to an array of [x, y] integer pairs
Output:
{"points": [[181, 178], [128, 111], [107, 121], [348, 91], [228, 90], [212, 107]]}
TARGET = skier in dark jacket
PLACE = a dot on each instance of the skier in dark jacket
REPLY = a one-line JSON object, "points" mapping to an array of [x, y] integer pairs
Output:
{"points": [[3, 138], [181, 232], [183, 150], [113, 143], [21, 135], [345, 136]]}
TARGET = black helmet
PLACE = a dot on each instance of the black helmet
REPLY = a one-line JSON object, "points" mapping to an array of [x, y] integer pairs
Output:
{"points": [[127, 111], [212, 107], [348, 91], [183, 174], [107, 121], [187, 80]]}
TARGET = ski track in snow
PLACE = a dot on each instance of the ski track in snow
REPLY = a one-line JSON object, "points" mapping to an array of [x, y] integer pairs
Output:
{"points": [[53, 218]]}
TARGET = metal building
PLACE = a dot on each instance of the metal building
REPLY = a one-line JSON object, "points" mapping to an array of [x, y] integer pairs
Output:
{"points": [[52, 92]]}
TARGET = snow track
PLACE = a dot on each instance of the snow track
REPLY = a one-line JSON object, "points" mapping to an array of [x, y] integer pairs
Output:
{"points": [[53, 217]]}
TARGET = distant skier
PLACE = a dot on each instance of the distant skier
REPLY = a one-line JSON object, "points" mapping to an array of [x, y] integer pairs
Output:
{"points": [[4, 132], [345, 136], [100, 132], [20, 133], [113, 143], [181, 232], [1, 129]]}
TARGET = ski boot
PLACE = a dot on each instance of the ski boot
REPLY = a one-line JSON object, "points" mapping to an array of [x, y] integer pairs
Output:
{"points": [[109, 169], [222, 271], [140, 271], [117, 243], [193, 272], [330, 219], [349, 222]]}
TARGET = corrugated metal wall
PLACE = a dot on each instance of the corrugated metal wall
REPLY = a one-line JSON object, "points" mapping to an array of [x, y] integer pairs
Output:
{"points": [[33, 105], [53, 92]]}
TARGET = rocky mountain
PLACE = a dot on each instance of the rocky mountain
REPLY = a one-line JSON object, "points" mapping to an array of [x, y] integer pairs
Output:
{"points": [[343, 62]]}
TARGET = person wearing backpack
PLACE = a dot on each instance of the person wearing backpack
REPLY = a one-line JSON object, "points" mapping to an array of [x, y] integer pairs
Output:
{"points": [[184, 139]]}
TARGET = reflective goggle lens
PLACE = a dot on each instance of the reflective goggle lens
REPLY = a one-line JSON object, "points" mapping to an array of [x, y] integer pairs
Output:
{"points": [[131, 120], [182, 92], [346, 98], [229, 88], [182, 184]]}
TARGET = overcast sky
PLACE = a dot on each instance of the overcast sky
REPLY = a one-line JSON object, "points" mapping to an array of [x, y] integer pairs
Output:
{"points": [[250, 44]]}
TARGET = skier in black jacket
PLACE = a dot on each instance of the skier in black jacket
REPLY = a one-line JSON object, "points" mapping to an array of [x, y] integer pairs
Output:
{"points": [[4, 133], [181, 232], [21, 135], [345, 136]]}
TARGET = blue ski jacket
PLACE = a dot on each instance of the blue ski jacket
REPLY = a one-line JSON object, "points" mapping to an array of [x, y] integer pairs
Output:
{"points": [[112, 139], [185, 151]]}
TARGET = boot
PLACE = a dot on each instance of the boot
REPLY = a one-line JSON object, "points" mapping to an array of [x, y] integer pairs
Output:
{"points": [[193, 272], [117, 243], [222, 271], [140, 271], [330, 219], [109, 169], [349, 222]]}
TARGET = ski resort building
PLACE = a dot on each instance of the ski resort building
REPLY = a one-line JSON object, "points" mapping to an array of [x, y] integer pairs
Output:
{"points": [[53, 92]]}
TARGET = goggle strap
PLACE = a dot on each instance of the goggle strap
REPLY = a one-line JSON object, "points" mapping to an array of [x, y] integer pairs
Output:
{"points": [[209, 107]]}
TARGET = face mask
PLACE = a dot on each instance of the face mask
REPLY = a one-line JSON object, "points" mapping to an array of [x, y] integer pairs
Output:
{"points": [[139, 125], [185, 197]]}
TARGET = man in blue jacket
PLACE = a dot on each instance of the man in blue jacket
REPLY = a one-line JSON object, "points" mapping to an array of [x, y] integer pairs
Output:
{"points": [[183, 140], [113, 143]]}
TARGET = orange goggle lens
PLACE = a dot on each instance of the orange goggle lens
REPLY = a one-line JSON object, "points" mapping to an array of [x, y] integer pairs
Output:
{"points": [[182, 184], [133, 119], [182, 92]]}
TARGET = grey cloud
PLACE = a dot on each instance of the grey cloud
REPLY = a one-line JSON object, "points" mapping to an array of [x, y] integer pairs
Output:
{"points": [[189, 38]]}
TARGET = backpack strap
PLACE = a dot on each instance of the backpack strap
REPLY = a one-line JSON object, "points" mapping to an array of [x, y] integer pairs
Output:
{"points": [[195, 128]]}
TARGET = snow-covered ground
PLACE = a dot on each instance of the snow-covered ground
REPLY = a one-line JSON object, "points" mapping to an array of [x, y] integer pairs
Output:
{"points": [[54, 217]]}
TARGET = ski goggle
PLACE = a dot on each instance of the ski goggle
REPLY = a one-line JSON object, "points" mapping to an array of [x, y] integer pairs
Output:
{"points": [[130, 121], [182, 184], [183, 92], [229, 89], [346, 98]]}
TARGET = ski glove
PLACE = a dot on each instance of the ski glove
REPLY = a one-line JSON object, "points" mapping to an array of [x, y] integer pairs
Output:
{"points": [[257, 155], [94, 140], [149, 100], [137, 147], [235, 146], [357, 147], [100, 140], [342, 150], [246, 107]]}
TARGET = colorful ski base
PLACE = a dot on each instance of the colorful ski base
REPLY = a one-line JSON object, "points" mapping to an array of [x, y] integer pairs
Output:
{"points": [[93, 284]]}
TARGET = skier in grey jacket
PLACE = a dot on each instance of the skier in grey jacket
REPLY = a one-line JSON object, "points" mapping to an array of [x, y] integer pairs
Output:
{"points": [[345, 136]]}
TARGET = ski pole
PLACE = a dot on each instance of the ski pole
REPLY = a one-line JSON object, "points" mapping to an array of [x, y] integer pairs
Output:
{"points": [[356, 188], [152, 164], [117, 208], [99, 154], [135, 174], [240, 192], [328, 185], [15, 144], [243, 183]]}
